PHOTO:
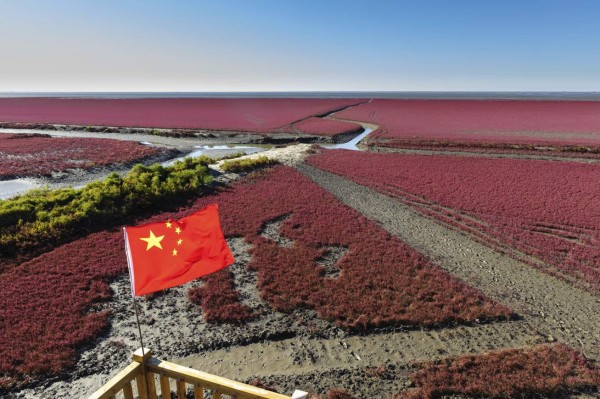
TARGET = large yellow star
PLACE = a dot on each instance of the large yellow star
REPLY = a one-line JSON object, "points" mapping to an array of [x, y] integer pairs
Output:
{"points": [[153, 241]]}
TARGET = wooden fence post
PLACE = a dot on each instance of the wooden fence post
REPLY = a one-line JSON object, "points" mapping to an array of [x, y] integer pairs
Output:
{"points": [[141, 356], [144, 368]]}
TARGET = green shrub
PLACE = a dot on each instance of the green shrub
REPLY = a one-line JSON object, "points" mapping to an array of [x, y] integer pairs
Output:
{"points": [[242, 165], [46, 218], [234, 155]]}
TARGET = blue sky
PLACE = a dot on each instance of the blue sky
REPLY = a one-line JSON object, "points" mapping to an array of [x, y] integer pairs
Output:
{"points": [[289, 45]]}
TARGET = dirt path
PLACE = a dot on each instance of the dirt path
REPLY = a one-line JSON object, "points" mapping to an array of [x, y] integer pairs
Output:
{"points": [[302, 355], [553, 307]]}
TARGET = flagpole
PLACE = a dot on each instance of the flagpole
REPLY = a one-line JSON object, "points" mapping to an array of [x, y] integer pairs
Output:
{"points": [[135, 309], [137, 319]]}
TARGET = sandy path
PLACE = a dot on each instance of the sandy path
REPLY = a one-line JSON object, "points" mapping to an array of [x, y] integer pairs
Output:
{"points": [[555, 308], [304, 355]]}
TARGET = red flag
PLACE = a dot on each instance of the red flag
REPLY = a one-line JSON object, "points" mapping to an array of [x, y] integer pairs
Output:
{"points": [[171, 253]]}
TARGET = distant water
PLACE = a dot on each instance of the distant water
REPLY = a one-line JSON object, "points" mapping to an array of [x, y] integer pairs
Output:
{"points": [[520, 95]]}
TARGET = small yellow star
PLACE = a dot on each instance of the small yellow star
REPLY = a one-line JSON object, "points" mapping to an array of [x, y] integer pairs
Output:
{"points": [[177, 230], [169, 224], [174, 252], [153, 241], [179, 242]]}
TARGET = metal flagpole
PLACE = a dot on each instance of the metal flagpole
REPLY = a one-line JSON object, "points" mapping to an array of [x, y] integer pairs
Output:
{"points": [[137, 316], [137, 319]]}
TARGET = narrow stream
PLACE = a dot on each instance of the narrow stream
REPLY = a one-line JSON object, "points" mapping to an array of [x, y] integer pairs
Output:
{"points": [[12, 188], [352, 144]]}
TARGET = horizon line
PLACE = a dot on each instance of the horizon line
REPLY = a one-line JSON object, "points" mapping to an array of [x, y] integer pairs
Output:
{"points": [[303, 91]]}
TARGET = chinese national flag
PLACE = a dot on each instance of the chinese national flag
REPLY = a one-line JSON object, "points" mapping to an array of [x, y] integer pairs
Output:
{"points": [[171, 253]]}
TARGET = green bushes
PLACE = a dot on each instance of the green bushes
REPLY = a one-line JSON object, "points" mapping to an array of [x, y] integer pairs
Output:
{"points": [[242, 165], [42, 219]]}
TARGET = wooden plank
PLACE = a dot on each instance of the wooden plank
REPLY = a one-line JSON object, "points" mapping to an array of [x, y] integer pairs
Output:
{"points": [[118, 381], [151, 385], [198, 392], [127, 391], [181, 389], [165, 387], [209, 381], [141, 386]]}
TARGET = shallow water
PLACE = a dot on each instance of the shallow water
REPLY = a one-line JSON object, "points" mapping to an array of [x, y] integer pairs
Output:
{"points": [[352, 144], [11, 188]]}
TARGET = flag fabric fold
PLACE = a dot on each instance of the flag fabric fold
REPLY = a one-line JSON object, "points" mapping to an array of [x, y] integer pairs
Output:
{"points": [[167, 254]]}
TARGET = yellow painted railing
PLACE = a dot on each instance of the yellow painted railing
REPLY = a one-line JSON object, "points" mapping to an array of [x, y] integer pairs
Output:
{"points": [[160, 377]]}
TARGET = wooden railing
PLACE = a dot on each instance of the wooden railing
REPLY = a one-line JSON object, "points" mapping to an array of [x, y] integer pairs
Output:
{"points": [[160, 377]]}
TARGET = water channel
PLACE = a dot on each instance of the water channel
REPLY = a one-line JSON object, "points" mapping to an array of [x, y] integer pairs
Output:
{"points": [[14, 187]]}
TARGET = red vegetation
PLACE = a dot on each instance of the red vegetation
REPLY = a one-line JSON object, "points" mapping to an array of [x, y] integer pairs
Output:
{"points": [[45, 302], [382, 282], [545, 209], [30, 155], [436, 122], [220, 300], [259, 115], [323, 127], [542, 371], [563, 151]]}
